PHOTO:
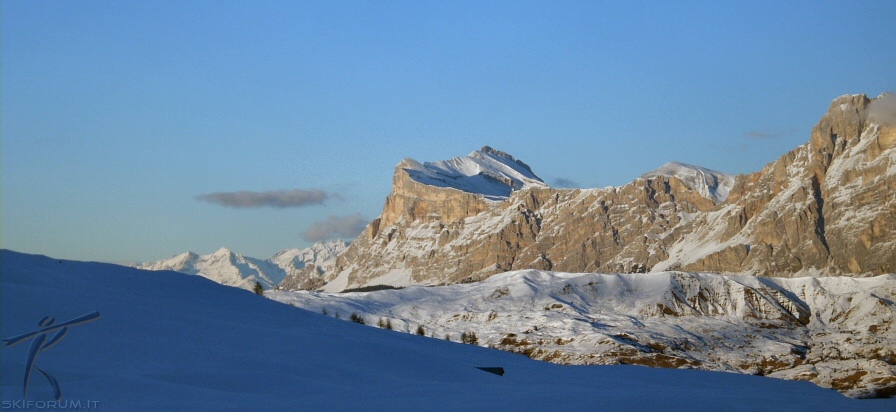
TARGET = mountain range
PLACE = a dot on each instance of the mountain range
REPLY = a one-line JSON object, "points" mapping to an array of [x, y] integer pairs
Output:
{"points": [[233, 269], [785, 272], [826, 207]]}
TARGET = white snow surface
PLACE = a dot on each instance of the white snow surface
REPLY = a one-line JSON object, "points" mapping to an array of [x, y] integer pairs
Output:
{"points": [[169, 341], [725, 323], [233, 269], [488, 172], [709, 183]]}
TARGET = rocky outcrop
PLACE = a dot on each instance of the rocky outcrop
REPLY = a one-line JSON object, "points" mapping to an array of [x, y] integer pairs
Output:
{"points": [[825, 207]]}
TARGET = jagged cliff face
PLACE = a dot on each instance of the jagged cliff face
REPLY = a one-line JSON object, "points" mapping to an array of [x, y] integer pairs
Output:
{"points": [[826, 207]]}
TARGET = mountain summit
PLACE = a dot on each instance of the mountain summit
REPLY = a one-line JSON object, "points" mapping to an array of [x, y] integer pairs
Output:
{"points": [[488, 172]]}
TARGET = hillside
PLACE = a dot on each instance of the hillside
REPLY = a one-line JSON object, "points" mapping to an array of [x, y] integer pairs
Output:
{"points": [[169, 341], [836, 332]]}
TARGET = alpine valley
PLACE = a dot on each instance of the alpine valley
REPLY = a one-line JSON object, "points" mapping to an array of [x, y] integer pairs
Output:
{"points": [[785, 272]]}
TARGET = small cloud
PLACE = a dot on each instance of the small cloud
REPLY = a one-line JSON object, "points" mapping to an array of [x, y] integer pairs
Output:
{"points": [[563, 182], [336, 227], [883, 110], [769, 134], [759, 134], [280, 199]]}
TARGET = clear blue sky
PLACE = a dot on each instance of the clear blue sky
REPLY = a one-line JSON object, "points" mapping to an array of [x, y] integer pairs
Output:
{"points": [[128, 126]]}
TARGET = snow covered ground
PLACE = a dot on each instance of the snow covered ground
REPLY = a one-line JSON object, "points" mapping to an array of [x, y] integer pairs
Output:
{"points": [[170, 341], [837, 332]]}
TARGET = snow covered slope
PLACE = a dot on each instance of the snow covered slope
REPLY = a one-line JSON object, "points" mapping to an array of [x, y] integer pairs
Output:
{"points": [[233, 269], [166, 341], [488, 172], [837, 332], [709, 183]]}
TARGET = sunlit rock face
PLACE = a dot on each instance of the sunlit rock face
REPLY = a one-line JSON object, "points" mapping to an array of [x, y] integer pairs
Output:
{"points": [[827, 207]]}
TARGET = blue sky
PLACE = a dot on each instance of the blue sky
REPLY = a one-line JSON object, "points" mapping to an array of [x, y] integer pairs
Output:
{"points": [[125, 124]]}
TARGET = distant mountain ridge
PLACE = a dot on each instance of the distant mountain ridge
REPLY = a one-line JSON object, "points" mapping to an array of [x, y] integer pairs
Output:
{"points": [[232, 269], [825, 207]]}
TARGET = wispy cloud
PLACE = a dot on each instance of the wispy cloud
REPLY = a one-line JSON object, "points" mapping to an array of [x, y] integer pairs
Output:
{"points": [[883, 110], [336, 227], [759, 134], [563, 182], [280, 199], [769, 134]]}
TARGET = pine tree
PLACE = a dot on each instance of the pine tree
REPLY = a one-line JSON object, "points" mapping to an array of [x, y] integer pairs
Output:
{"points": [[421, 331], [357, 318], [258, 289]]}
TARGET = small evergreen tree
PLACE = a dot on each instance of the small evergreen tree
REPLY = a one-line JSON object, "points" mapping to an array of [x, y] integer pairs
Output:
{"points": [[324, 311], [448, 337], [469, 337], [421, 331], [258, 289], [357, 318], [384, 323]]}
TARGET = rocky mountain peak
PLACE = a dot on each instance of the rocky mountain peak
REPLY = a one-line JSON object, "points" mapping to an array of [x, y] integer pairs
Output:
{"points": [[223, 251], [844, 120], [494, 152], [709, 183], [490, 173]]}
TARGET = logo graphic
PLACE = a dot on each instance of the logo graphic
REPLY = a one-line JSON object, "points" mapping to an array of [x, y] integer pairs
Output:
{"points": [[40, 344]]}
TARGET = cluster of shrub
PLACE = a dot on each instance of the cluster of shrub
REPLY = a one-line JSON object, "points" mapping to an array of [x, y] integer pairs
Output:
{"points": [[386, 323]]}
